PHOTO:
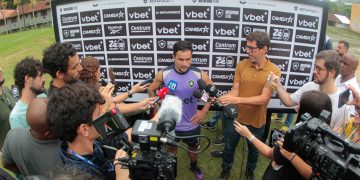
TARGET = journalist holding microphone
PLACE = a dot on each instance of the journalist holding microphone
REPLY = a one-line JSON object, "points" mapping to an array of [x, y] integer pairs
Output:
{"points": [[285, 164]]}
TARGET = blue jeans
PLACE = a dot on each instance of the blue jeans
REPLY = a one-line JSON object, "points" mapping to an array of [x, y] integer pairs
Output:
{"points": [[214, 119], [232, 139]]}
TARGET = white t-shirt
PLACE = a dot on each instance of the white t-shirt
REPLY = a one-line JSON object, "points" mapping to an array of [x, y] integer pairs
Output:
{"points": [[339, 115]]}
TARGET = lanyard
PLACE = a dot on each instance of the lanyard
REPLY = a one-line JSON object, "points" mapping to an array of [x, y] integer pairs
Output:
{"points": [[88, 161]]}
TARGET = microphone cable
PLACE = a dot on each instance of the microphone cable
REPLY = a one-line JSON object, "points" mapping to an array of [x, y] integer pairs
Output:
{"points": [[193, 136]]}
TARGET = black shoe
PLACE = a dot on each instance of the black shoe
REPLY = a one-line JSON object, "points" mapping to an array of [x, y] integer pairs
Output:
{"points": [[219, 141], [208, 126], [217, 153], [249, 175], [225, 173]]}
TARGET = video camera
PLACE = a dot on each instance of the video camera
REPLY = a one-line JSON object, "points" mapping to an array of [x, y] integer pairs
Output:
{"points": [[330, 155]]}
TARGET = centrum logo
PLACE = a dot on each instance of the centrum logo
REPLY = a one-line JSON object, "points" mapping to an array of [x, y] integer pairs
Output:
{"points": [[225, 46], [69, 19], [199, 60], [140, 28]]}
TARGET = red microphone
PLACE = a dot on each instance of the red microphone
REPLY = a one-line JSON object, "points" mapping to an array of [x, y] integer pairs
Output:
{"points": [[159, 96]]}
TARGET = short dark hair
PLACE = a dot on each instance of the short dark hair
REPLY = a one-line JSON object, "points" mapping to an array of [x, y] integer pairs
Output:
{"points": [[262, 39], [313, 102], [71, 106], [182, 46], [346, 44], [332, 60], [28, 66], [56, 58]]}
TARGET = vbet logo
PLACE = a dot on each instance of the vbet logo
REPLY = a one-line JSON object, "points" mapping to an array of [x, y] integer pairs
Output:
{"points": [[226, 30], [310, 22], [139, 13], [168, 28], [303, 52], [90, 16], [144, 44], [255, 15], [298, 80], [202, 45], [282, 64], [123, 86], [198, 12], [143, 73], [93, 45]]}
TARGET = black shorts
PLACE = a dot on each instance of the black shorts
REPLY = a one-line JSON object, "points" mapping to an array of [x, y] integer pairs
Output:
{"points": [[191, 142]]}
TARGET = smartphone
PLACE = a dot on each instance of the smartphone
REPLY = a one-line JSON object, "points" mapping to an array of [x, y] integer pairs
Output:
{"points": [[103, 82], [276, 135], [343, 98], [150, 80]]}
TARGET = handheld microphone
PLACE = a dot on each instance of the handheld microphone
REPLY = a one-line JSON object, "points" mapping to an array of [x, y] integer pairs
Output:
{"points": [[159, 96], [202, 84], [203, 96], [212, 90], [170, 113], [230, 111]]}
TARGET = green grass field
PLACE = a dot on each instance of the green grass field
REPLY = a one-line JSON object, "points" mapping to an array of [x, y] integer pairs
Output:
{"points": [[16, 46]]}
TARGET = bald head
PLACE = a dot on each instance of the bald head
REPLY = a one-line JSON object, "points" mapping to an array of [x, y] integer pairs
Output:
{"points": [[349, 64], [36, 115]]}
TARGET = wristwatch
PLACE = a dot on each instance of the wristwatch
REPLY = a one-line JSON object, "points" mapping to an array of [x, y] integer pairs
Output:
{"points": [[129, 94]]}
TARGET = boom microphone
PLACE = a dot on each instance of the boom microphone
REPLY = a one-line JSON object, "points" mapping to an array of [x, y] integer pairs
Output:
{"points": [[159, 96], [170, 113]]}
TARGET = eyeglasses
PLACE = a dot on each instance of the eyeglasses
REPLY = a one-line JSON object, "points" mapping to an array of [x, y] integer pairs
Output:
{"points": [[318, 69], [250, 48]]}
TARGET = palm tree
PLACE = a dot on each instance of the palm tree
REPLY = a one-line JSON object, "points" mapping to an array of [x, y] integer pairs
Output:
{"points": [[17, 3], [3, 4], [33, 4]]}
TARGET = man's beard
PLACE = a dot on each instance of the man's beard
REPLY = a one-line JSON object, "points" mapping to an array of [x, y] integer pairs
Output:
{"points": [[2, 82], [37, 91], [324, 80], [70, 80]]}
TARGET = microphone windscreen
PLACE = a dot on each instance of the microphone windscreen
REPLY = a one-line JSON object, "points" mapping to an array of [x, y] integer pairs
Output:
{"points": [[171, 107], [230, 111], [202, 84], [197, 94]]}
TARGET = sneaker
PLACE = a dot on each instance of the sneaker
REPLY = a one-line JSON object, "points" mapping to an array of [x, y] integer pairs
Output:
{"points": [[217, 153], [197, 172], [284, 128], [208, 126], [219, 141], [249, 175], [225, 173]]}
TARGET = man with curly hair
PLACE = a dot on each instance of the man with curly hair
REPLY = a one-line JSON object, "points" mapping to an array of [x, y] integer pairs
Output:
{"points": [[28, 75], [70, 113], [62, 62]]}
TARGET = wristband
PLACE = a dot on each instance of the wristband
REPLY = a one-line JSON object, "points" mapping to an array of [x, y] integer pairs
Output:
{"points": [[129, 94], [292, 157], [117, 164], [251, 138]]}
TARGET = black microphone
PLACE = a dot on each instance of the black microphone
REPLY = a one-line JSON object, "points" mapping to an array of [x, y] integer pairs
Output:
{"points": [[202, 84], [212, 90], [204, 97], [230, 111], [170, 113]]}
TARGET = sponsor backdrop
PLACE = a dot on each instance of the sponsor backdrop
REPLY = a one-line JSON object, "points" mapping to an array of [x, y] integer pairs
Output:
{"points": [[135, 37]]}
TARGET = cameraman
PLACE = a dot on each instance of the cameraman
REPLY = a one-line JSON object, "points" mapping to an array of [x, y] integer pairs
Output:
{"points": [[285, 165], [70, 113]]}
